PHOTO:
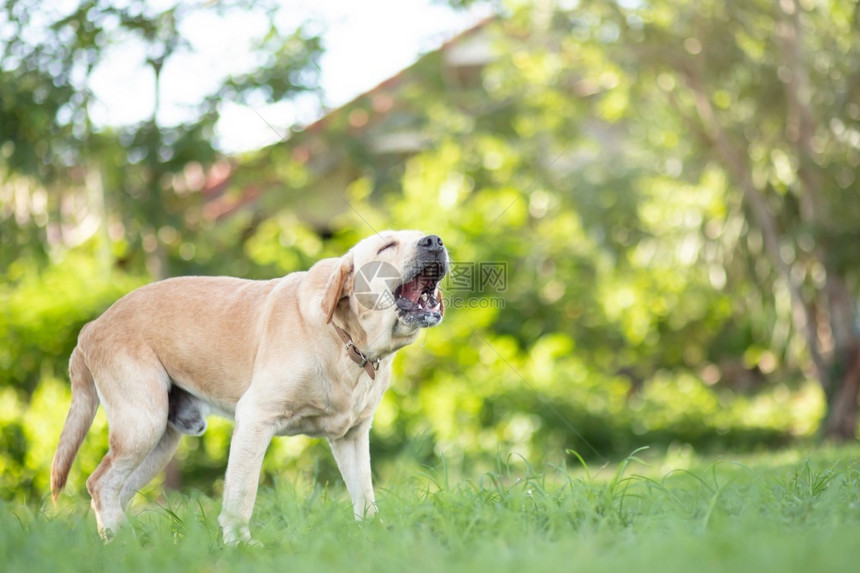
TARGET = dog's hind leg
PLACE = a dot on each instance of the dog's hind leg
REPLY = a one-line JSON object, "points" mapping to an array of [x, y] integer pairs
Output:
{"points": [[152, 465], [133, 392], [184, 417]]}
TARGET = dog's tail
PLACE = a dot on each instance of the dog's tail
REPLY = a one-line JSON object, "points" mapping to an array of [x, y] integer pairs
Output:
{"points": [[85, 402]]}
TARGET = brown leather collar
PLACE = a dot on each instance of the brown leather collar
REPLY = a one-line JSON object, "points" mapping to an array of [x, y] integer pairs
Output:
{"points": [[370, 366]]}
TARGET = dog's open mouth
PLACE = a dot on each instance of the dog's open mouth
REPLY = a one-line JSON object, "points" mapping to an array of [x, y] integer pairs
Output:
{"points": [[416, 298]]}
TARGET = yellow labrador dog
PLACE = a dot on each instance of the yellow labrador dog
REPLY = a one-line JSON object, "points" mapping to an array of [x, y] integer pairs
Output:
{"points": [[309, 353]]}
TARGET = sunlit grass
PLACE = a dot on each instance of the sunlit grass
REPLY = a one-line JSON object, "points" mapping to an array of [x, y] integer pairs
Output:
{"points": [[791, 511]]}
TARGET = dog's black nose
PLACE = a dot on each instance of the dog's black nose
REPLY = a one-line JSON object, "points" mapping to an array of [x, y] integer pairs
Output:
{"points": [[431, 243]]}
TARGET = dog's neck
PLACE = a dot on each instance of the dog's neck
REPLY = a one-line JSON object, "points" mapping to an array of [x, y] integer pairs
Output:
{"points": [[356, 355], [371, 347], [373, 350]]}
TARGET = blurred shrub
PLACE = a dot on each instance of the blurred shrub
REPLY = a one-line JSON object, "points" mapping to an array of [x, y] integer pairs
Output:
{"points": [[42, 310], [631, 275], [525, 405]]}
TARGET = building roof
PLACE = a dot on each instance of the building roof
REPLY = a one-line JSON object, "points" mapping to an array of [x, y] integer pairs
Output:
{"points": [[373, 111]]}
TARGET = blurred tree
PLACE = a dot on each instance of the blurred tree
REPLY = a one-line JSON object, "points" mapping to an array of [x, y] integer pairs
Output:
{"points": [[132, 192], [666, 185], [766, 92], [134, 178], [525, 143], [669, 182]]}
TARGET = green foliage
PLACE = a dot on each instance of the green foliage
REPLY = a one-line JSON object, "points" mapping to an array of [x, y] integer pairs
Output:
{"points": [[42, 310], [133, 177], [30, 431], [608, 159]]}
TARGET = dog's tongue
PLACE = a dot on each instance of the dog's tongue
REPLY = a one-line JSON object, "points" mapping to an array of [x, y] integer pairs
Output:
{"points": [[412, 289]]}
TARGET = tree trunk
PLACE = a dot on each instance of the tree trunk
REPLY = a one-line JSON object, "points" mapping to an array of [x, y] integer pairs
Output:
{"points": [[172, 475], [841, 423], [826, 318]]}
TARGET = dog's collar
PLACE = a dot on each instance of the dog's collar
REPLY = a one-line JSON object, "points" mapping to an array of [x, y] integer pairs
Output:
{"points": [[356, 355]]}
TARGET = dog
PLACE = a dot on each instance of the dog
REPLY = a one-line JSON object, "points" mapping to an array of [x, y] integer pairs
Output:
{"points": [[309, 353]]}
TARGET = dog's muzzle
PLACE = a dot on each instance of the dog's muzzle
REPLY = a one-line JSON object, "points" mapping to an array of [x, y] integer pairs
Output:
{"points": [[418, 298]]}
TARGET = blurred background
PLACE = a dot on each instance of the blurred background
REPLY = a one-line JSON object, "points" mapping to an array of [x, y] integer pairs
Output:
{"points": [[652, 207]]}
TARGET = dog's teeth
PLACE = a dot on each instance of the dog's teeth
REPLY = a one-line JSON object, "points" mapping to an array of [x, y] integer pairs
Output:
{"points": [[424, 297]]}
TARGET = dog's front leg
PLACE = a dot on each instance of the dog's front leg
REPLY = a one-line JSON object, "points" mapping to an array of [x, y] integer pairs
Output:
{"points": [[251, 437], [352, 453]]}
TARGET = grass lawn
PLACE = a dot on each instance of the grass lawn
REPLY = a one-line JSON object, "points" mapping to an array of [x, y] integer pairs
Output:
{"points": [[786, 511]]}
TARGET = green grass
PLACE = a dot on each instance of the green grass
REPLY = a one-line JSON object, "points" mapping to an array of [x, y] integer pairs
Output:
{"points": [[792, 511]]}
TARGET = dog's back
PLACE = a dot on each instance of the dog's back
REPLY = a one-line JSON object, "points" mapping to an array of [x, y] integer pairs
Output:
{"points": [[182, 331], [202, 330]]}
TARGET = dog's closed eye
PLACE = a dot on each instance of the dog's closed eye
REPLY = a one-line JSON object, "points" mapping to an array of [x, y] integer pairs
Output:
{"points": [[388, 246]]}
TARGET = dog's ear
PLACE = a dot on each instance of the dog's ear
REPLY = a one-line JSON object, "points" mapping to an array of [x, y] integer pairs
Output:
{"points": [[338, 286]]}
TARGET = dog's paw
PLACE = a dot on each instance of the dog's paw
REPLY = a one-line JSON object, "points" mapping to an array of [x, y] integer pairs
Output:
{"points": [[233, 543], [251, 543], [107, 534], [239, 537]]}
